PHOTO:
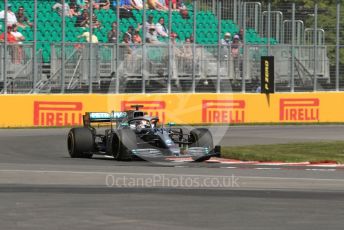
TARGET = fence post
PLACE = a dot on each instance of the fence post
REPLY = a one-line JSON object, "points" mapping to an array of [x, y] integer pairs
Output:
{"points": [[243, 84], [117, 46], [292, 83], [315, 44], [5, 48], [171, 55], [337, 44], [90, 69], [144, 46], [63, 48], [34, 61], [218, 81], [213, 4], [194, 46], [235, 11]]}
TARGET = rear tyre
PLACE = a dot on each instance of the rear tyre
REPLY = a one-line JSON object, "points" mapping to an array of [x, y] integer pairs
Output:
{"points": [[124, 142], [80, 143], [201, 137]]}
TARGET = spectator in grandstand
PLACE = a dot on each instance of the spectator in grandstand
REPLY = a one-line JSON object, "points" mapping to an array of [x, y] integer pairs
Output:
{"points": [[173, 37], [187, 49], [241, 34], [161, 29], [83, 19], [151, 36], [149, 22], [163, 3], [22, 19], [181, 4], [226, 41], [19, 36], [137, 38], [59, 7], [73, 2], [12, 40], [187, 54], [86, 36], [112, 34], [130, 33], [82, 4], [184, 13], [236, 46], [11, 17], [128, 50], [95, 22], [156, 5], [235, 53], [176, 55], [124, 4], [101, 4], [10, 37], [17, 50], [137, 4], [192, 39], [73, 10], [174, 4], [125, 7]]}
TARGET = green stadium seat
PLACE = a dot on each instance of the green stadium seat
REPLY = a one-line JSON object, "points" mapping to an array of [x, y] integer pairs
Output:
{"points": [[49, 25]]}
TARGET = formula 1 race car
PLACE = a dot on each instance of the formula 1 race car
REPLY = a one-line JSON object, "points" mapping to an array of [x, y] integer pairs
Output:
{"points": [[135, 135]]}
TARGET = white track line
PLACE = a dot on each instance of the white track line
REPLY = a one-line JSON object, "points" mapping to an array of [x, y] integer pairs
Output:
{"points": [[168, 174]]}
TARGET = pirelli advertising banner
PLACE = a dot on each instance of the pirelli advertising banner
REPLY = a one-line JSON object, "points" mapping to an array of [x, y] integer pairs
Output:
{"points": [[67, 110]]}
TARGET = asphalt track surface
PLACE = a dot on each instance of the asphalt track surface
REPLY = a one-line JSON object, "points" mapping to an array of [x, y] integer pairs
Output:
{"points": [[42, 188]]}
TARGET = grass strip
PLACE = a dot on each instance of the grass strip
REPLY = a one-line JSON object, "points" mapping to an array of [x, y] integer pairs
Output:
{"points": [[293, 152]]}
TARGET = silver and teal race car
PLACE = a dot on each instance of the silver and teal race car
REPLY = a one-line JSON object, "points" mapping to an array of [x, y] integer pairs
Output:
{"points": [[132, 135]]}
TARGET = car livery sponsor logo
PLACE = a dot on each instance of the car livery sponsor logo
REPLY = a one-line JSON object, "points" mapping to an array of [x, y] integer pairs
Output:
{"points": [[299, 109], [153, 108], [223, 111], [53, 113]]}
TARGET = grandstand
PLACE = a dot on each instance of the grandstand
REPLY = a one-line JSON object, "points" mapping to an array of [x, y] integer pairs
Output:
{"points": [[105, 67]]}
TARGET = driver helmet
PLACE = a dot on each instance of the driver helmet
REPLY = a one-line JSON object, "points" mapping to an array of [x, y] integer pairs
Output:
{"points": [[144, 124]]}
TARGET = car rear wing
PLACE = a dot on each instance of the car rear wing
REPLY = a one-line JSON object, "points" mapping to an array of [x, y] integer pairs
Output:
{"points": [[96, 117]]}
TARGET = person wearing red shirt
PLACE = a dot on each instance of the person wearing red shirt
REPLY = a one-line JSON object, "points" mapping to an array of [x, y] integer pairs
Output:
{"points": [[12, 49], [10, 37], [174, 4]]}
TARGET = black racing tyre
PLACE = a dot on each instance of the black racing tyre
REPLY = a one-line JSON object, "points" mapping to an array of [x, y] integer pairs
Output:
{"points": [[124, 141], [80, 143], [201, 137]]}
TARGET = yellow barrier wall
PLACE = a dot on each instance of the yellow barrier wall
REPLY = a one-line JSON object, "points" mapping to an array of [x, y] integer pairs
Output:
{"points": [[67, 110]]}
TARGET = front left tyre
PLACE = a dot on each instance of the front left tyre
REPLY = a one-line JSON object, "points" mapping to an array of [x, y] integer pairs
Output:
{"points": [[124, 141], [80, 143]]}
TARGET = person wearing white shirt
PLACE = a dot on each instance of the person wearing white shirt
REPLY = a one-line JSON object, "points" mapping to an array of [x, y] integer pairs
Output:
{"points": [[226, 41], [11, 17], [149, 23], [161, 28], [58, 6], [86, 35], [151, 36], [19, 36], [226, 44], [137, 4]]}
